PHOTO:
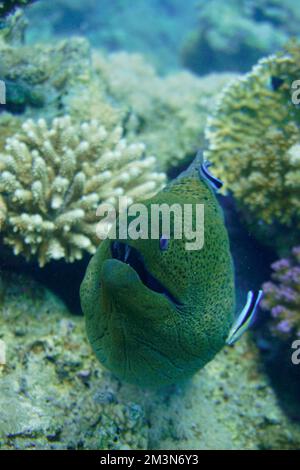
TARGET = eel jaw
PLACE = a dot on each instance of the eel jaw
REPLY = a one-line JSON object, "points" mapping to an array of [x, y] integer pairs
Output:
{"points": [[131, 256]]}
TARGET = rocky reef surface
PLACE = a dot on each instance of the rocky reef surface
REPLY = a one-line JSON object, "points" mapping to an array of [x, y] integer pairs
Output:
{"points": [[55, 395]]}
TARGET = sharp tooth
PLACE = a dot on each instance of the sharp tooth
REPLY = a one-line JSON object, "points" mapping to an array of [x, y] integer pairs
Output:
{"points": [[127, 251]]}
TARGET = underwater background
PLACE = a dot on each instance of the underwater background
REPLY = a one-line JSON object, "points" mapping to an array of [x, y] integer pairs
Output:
{"points": [[114, 97]]}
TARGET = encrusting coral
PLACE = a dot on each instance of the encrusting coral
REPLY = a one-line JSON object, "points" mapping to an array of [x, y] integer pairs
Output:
{"points": [[254, 142], [52, 179], [282, 296]]}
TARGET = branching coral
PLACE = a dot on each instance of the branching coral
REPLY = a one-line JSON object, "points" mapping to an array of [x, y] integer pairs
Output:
{"points": [[168, 113], [282, 296], [52, 180], [254, 141]]}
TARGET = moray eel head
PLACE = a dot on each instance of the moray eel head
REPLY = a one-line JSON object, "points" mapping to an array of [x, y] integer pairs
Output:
{"points": [[155, 312]]}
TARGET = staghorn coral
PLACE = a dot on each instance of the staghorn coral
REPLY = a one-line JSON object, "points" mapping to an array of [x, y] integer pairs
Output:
{"points": [[282, 296], [52, 180], [168, 113], [254, 142]]}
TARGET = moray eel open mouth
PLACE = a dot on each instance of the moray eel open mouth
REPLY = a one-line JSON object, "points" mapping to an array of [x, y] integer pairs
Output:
{"points": [[131, 256]]}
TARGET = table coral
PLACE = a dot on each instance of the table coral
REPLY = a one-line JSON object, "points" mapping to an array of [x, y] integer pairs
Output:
{"points": [[282, 296], [53, 179], [254, 142]]}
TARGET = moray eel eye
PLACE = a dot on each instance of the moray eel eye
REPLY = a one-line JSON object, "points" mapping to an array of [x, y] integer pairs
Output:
{"points": [[163, 243], [131, 256]]}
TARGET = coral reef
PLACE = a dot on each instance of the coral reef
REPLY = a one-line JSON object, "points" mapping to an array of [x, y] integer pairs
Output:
{"points": [[89, 101], [282, 296], [54, 177], [53, 80], [169, 113], [39, 77], [55, 395], [254, 142], [8, 6], [118, 25], [247, 31]]}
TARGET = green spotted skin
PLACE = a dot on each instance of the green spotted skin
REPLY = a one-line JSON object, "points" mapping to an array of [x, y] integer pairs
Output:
{"points": [[139, 334]]}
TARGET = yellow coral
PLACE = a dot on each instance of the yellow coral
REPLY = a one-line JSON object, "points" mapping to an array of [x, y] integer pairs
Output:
{"points": [[52, 180], [254, 141]]}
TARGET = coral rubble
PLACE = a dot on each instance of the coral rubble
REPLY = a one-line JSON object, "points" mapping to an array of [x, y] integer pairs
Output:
{"points": [[54, 177]]}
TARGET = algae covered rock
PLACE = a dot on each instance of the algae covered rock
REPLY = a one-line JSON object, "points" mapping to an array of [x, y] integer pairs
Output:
{"points": [[55, 395]]}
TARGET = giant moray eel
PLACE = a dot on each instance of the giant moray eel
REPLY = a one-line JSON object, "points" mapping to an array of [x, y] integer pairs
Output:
{"points": [[156, 312]]}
